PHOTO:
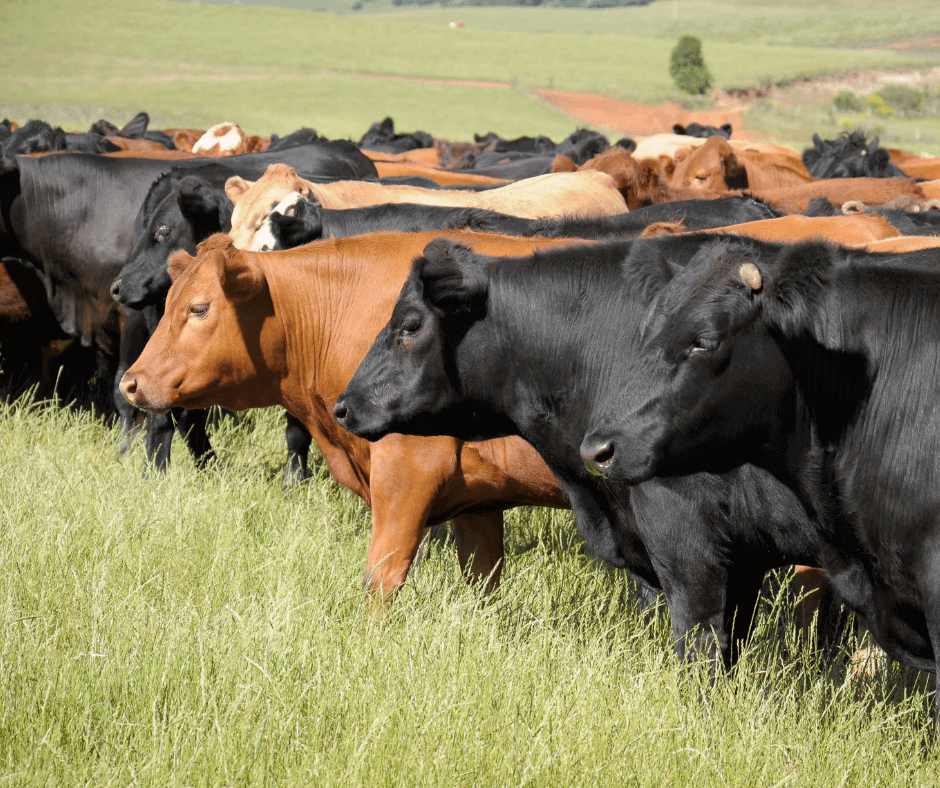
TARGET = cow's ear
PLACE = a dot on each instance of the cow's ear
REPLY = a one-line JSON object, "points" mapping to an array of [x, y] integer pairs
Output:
{"points": [[726, 127], [794, 297], [678, 128], [452, 277], [136, 126], [199, 202], [240, 277], [734, 171], [873, 146], [236, 186], [177, 263], [818, 144]]}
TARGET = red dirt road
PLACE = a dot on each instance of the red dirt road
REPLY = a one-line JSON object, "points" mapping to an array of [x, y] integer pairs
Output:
{"points": [[641, 120]]}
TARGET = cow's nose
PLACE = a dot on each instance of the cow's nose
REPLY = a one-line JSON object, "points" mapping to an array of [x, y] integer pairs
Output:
{"points": [[598, 455], [128, 386], [340, 412], [116, 289]]}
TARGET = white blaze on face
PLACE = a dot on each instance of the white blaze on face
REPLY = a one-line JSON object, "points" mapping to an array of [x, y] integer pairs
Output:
{"points": [[265, 240], [226, 138]]}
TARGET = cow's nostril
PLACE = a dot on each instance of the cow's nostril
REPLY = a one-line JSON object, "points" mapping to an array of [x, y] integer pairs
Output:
{"points": [[598, 456], [116, 289], [604, 455], [340, 412]]}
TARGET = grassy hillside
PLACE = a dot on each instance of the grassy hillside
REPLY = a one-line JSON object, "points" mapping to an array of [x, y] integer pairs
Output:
{"points": [[274, 70], [206, 628]]}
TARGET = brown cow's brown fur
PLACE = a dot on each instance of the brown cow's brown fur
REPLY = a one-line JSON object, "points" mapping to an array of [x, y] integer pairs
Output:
{"points": [[641, 182], [720, 166], [871, 191], [290, 329]]}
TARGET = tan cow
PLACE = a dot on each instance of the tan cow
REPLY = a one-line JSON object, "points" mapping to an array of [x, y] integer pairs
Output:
{"points": [[585, 193], [717, 165], [251, 330]]}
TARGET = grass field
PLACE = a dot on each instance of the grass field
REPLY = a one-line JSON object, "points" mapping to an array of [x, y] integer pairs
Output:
{"points": [[274, 70], [206, 628]]}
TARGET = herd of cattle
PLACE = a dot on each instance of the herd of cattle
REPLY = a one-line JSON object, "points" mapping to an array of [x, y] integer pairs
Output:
{"points": [[722, 355]]}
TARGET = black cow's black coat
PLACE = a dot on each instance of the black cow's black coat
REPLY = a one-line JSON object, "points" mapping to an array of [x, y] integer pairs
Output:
{"points": [[824, 369], [479, 348]]}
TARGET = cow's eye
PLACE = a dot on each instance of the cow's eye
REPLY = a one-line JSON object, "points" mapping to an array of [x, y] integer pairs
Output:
{"points": [[161, 233], [199, 310], [703, 345], [411, 325]]}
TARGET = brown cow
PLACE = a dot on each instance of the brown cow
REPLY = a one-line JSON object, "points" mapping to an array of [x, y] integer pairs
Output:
{"points": [[421, 157], [854, 231], [871, 191], [251, 330], [588, 193], [717, 165], [387, 169], [928, 169], [639, 182]]}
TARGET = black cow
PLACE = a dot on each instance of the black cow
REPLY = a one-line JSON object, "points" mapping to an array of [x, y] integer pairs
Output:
{"points": [[850, 155], [72, 217], [37, 136], [698, 130], [134, 129], [821, 365], [183, 208], [480, 347], [305, 221], [382, 137]]}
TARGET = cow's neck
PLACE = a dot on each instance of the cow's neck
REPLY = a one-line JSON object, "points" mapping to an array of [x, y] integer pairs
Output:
{"points": [[329, 310]]}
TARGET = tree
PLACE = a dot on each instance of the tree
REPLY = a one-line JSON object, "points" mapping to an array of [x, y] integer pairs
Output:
{"points": [[687, 67]]}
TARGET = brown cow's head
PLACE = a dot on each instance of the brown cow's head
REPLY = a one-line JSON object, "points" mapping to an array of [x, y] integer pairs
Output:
{"points": [[218, 342], [254, 201], [712, 166]]}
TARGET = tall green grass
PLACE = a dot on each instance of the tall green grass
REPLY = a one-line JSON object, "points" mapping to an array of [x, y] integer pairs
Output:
{"points": [[207, 628]]}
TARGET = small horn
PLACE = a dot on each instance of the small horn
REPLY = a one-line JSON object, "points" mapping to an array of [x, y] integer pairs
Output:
{"points": [[750, 276], [853, 207]]}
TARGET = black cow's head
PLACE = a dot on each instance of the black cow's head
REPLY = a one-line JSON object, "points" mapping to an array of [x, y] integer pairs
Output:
{"points": [[406, 382], [850, 155], [712, 389], [191, 212]]}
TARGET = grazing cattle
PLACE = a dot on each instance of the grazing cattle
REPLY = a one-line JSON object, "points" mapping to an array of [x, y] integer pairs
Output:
{"points": [[717, 165], [820, 364], [37, 136], [181, 209], [590, 193], [698, 130], [246, 330], [73, 216], [460, 357], [850, 155]]}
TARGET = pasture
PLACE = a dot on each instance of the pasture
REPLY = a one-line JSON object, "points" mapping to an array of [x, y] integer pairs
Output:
{"points": [[210, 628], [206, 628]]}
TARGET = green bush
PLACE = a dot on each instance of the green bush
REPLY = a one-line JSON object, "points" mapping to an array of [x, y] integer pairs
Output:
{"points": [[902, 98], [846, 100], [879, 106], [687, 67]]}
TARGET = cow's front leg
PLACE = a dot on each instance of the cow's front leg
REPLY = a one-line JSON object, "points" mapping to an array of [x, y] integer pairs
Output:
{"points": [[406, 479]]}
